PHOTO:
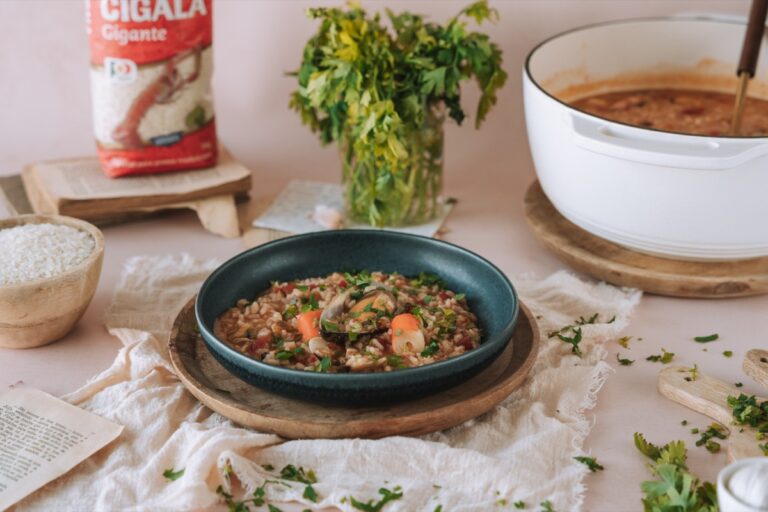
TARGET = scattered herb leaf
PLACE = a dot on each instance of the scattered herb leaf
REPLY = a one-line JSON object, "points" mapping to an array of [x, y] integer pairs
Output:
{"points": [[624, 341], [172, 475], [585, 321], [663, 358], [728, 353], [573, 341], [624, 362], [707, 339], [590, 462], [387, 495], [291, 472], [546, 506], [676, 489], [310, 494], [519, 504], [715, 430]]}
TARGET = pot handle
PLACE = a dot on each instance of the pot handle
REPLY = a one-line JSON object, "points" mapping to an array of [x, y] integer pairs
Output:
{"points": [[690, 152]]}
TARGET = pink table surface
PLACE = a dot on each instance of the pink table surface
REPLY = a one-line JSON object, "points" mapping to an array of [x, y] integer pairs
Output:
{"points": [[45, 114]]}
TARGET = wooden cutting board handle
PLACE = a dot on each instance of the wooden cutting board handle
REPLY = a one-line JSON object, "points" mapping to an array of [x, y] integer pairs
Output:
{"points": [[756, 366], [708, 396]]}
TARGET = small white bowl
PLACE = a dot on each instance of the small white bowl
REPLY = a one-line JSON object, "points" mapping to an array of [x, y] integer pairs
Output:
{"points": [[726, 499], [35, 313]]}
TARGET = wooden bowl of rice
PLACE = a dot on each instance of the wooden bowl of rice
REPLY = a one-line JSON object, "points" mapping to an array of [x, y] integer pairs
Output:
{"points": [[49, 268]]}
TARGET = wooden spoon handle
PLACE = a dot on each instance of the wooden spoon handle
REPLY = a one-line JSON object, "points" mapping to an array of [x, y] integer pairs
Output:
{"points": [[705, 395], [753, 37], [708, 396], [756, 366]]}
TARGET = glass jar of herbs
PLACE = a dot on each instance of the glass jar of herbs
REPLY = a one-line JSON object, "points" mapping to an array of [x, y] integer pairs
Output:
{"points": [[383, 98]]}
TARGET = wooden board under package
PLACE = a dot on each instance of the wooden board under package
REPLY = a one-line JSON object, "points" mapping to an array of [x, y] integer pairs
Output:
{"points": [[77, 187]]}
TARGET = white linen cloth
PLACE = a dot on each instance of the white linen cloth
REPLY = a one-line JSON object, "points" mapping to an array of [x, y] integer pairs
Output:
{"points": [[522, 450]]}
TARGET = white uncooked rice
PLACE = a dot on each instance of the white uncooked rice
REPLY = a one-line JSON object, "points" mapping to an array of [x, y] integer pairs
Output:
{"points": [[39, 251]]}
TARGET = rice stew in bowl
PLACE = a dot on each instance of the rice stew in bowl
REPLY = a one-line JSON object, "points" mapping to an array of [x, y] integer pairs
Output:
{"points": [[299, 318]]}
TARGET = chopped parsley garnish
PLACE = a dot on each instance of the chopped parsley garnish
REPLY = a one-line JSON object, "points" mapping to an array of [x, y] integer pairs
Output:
{"points": [[324, 365], [590, 462], [360, 279], [519, 504], [431, 349], [396, 361], [330, 326], [310, 494], [706, 339], [624, 341], [426, 279], [311, 304], [290, 311], [386, 496], [663, 358], [294, 474], [573, 341], [427, 299], [586, 321], [172, 475], [715, 430], [624, 362], [459, 297], [728, 353], [284, 355], [748, 411], [546, 506], [675, 489], [302, 288]]}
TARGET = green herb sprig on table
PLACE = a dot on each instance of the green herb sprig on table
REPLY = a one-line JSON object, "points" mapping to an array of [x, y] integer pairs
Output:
{"points": [[715, 430], [173, 475], [676, 489], [663, 358], [747, 410], [387, 495], [372, 90], [573, 341], [590, 462]]}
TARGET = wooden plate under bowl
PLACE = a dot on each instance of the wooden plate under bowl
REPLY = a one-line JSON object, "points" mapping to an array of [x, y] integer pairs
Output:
{"points": [[252, 407], [624, 267]]}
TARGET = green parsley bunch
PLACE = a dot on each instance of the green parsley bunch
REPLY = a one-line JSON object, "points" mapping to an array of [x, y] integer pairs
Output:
{"points": [[380, 93]]}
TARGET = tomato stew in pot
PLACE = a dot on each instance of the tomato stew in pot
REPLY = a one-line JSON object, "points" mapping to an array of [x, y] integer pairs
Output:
{"points": [[677, 110]]}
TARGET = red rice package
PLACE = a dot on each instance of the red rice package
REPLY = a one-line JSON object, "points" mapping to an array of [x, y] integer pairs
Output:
{"points": [[151, 66]]}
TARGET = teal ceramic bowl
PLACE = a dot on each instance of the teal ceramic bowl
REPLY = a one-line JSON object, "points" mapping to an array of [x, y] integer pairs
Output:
{"points": [[490, 295]]}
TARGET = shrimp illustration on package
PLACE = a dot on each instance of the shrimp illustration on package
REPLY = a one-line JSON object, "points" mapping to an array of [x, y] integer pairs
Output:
{"points": [[151, 66]]}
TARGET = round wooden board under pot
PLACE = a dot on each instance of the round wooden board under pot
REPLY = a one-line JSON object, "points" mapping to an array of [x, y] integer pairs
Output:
{"points": [[624, 267], [252, 407]]}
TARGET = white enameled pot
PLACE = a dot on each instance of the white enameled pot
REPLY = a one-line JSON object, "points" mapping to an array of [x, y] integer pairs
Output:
{"points": [[682, 196]]}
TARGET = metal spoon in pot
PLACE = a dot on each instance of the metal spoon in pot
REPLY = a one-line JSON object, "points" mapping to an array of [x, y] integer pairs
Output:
{"points": [[750, 49]]}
